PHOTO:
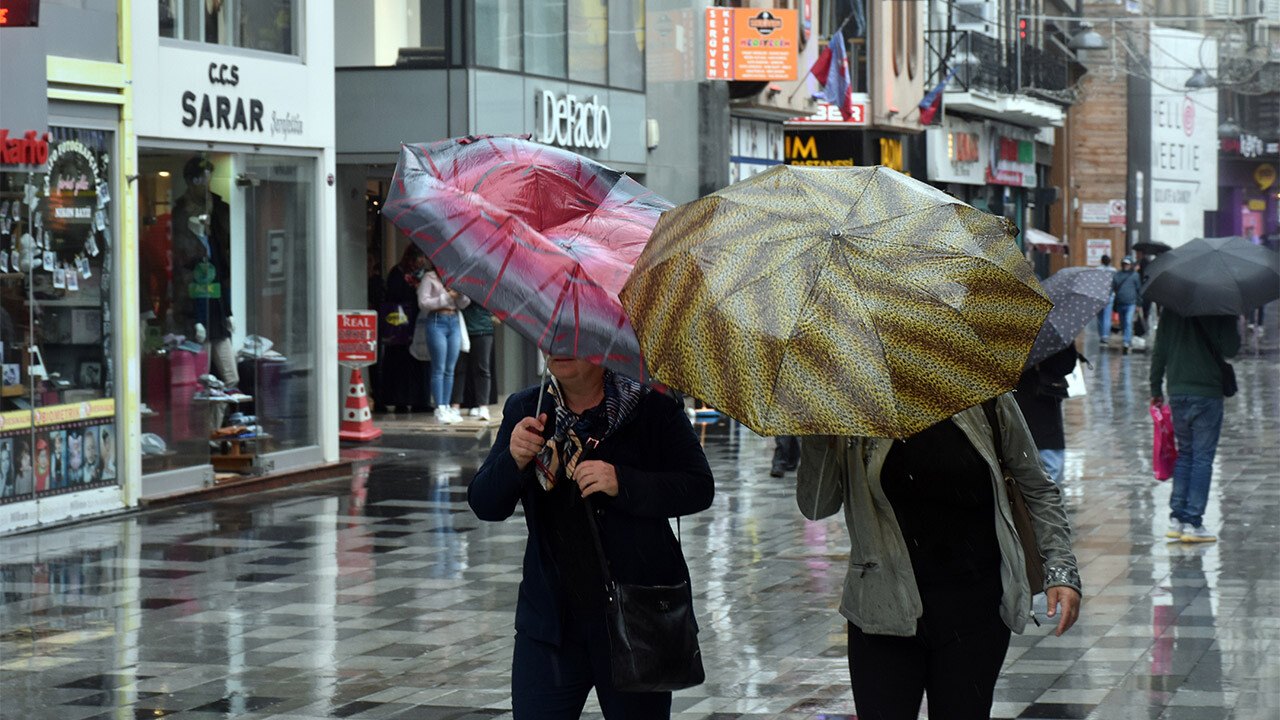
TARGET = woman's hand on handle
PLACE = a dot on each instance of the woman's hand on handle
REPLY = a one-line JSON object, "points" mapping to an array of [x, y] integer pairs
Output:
{"points": [[595, 476], [1067, 600], [526, 439]]}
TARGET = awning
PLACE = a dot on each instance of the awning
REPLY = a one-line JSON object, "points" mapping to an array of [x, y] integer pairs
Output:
{"points": [[1044, 242]]}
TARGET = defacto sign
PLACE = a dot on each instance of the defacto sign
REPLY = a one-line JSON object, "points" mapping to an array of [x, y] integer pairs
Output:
{"points": [[571, 122]]}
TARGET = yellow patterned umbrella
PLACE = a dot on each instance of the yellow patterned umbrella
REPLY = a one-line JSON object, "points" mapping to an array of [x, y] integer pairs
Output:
{"points": [[852, 301]]}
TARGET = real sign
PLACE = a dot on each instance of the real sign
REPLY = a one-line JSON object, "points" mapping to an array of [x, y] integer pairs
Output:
{"points": [[573, 123], [357, 337]]}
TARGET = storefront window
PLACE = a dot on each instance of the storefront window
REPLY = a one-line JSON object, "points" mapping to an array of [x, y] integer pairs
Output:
{"points": [[544, 40], [268, 25], [498, 34], [626, 44], [57, 412], [589, 41], [225, 266]]}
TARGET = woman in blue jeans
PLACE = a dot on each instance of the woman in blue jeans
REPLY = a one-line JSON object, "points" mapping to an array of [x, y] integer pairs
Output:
{"points": [[440, 307]]}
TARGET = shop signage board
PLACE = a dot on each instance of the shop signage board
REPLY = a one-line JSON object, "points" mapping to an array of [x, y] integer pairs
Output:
{"points": [[1011, 156], [357, 337], [955, 152], [19, 13], [820, 148], [573, 122], [828, 115], [1184, 137], [1095, 248], [1095, 213], [751, 43]]}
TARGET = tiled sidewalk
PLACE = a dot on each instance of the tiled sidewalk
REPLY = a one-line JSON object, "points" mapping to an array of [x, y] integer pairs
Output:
{"points": [[382, 596]]}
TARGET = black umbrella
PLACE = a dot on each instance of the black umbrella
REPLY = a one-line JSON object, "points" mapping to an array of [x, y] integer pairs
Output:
{"points": [[1151, 247], [1214, 276], [1078, 293]]}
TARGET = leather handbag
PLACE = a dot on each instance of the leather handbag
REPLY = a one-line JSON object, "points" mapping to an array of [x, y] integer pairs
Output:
{"points": [[1018, 509], [652, 636]]}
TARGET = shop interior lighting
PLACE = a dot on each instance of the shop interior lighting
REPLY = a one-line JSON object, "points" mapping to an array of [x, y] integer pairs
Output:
{"points": [[163, 173]]}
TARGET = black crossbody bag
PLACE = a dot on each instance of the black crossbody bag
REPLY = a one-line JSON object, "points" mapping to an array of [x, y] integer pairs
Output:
{"points": [[652, 636]]}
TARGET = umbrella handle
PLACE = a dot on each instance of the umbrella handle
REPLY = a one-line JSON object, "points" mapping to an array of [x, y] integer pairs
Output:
{"points": [[537, 412]]}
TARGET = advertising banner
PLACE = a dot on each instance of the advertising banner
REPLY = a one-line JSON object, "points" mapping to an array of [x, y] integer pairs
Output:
{"points": [[822, 148], [751, 43]]}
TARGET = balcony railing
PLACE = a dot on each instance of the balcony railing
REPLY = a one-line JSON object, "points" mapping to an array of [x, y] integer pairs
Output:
{"points": [[983, 62]]}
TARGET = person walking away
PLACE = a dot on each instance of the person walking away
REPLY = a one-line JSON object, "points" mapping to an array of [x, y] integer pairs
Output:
{"points": [[1186, 358], [928, 595], [401, 373], [1126, 289], [444, 338], [1104, 315], [648, 466], [1040, 392], [476, 370], [786, 455]]}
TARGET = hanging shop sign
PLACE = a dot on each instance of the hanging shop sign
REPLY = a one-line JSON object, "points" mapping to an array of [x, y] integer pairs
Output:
{"points": [[1012, 160], [820, 148], [954, 152], [30, 149], [751, 43], [828, 115], [571, 122], [357, 337]]}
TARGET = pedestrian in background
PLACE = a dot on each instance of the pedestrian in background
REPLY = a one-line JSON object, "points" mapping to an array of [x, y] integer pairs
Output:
{"points": [[786, 455], [1104, 315], [928, 594], [1040, 392], [1188, 354], [1126, 288], [401, 373], [474, 371], [444, 337], [648, 466]]}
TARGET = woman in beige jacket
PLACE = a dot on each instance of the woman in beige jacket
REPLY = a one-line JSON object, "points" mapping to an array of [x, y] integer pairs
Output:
{"points": [[936, 578]]}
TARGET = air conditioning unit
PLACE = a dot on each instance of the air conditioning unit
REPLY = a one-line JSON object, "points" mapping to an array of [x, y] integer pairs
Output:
{"points": [[978, 17]]}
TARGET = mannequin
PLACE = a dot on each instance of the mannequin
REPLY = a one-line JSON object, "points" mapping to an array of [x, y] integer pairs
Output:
{"points": [[202, 270]]}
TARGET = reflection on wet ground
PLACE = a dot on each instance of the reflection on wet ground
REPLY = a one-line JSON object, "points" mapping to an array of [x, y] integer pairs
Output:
{"points": [[381, 595]]}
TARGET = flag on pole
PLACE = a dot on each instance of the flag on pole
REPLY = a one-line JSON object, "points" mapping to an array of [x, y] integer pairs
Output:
{"points": [[837, 89], [932, 101]]}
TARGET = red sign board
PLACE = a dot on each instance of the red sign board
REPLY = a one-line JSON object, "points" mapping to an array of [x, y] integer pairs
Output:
{"points": [[19, 13], [357, 337], [828, 114], [30, 148]]}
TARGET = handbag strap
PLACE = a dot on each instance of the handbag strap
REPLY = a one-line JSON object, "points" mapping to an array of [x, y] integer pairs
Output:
{"points": [[1213, 349], [592, 444], [989, 407]]}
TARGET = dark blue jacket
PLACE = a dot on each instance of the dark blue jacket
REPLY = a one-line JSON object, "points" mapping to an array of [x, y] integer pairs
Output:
{"points": [[662, 473]]}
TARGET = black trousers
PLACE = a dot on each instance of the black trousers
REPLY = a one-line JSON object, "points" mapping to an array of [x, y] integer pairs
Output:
{"points": [[955, 661], [551, 683]]}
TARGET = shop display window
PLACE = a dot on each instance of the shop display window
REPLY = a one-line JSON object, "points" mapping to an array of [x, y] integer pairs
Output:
{"points": [[225, 267], [57, 407], [268, 25]]}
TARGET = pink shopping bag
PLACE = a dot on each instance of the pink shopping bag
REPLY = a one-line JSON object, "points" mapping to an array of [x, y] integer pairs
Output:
{"points": [[1164, 453]]}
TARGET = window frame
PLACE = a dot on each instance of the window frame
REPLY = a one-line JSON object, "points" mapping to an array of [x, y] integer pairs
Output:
{"points": [[298, 9]]}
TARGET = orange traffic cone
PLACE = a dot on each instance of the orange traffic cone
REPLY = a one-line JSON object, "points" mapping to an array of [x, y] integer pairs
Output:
{"points": [[357, 421]]}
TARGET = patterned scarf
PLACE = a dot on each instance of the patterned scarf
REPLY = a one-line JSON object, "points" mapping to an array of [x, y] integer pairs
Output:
{"points": [[573, 431]]}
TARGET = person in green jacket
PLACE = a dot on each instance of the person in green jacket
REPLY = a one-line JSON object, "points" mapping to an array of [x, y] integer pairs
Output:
{"points": [[1187, 351]]}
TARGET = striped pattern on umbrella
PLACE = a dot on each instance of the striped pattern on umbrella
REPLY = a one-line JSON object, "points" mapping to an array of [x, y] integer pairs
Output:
{"points": [[850, 302], [542, 237]]}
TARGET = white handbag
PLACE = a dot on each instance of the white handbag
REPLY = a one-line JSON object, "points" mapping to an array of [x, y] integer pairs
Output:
{"points": [[1076, 386]]}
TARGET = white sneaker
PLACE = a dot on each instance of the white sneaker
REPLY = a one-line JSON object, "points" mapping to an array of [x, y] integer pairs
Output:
{"points": [[473, 412], [1197, 534], [483, 412], [444, 416], [1175, 529]]}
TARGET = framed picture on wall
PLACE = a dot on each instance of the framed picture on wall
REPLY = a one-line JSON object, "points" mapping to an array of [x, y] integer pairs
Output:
{"points": [[89, 374]]}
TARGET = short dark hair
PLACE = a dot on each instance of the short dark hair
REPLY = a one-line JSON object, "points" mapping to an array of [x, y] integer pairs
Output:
{"points": [[1106, 259], [195, 167]]}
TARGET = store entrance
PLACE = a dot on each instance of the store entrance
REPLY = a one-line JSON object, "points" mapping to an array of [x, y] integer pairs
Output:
{"points": [[228, 364]]}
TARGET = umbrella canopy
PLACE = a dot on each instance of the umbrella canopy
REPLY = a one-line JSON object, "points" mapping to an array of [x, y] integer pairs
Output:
{"points": [[1151, 247], [542, 237], [1078, 293], [1214, 276], [820, 301]]}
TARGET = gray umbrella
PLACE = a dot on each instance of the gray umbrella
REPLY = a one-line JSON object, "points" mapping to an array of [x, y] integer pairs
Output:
{"points": [[1214, 276], [1078, 293]]}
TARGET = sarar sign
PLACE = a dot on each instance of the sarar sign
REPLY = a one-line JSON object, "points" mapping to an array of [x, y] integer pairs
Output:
{"points": [[571, 122]]}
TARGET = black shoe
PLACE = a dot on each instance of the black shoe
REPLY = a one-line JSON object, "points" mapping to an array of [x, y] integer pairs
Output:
{"points": [[1125, 351], [777, 471]]}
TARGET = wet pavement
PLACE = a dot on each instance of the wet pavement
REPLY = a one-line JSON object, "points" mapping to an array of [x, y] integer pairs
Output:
{"points": [[381, 596]]}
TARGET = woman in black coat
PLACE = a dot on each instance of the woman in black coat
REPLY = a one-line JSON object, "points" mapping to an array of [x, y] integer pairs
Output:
{"points": [[647, 467], [400, 373]]}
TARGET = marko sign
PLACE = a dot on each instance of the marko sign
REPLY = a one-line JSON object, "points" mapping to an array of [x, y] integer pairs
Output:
{"points": [[571, 122]]}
